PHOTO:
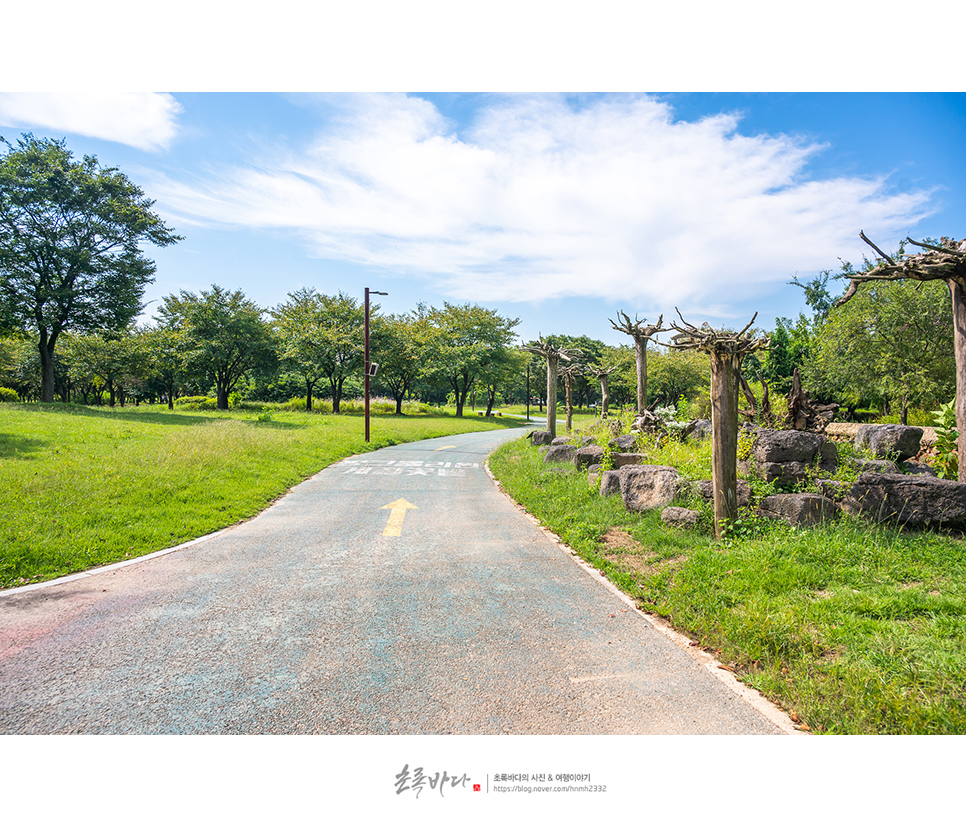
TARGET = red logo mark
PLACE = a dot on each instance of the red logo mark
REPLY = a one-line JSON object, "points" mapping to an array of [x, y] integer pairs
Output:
{"points": [[476, 787]]}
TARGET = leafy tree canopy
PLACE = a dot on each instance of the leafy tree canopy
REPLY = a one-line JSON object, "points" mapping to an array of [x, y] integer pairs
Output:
{"points": [[466, 342], [221, 334], [894, 340], [70, 238]]}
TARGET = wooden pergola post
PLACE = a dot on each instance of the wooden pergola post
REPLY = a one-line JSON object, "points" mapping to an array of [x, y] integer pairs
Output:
{"points": [[553, 355], [641, 333], [602, 374], [946, 262], [727, 351]]}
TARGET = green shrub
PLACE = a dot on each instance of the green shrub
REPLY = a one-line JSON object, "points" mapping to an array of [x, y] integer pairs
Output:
{"points": [[8, 395], [914, 417], [947, 441], [197, 403]]}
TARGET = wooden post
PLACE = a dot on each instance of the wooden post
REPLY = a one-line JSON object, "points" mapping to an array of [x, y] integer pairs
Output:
{"points": [[959, 346], [725, 372], [727, 351], [641, 333], [552, 354], [552, 362]]}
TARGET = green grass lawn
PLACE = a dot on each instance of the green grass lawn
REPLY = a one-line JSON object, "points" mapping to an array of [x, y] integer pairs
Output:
{"points": [[852, 628], [81, 487]]}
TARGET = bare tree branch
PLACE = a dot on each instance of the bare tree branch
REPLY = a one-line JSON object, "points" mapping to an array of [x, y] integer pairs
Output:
{"points": [[882, 254]]}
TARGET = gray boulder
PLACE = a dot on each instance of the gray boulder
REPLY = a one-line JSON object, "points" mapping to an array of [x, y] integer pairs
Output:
{"points": [[646, 487], [913, 500], [829, 453], [624, 443], [803, 509], [706, 490], [784, 474], [786, 446], [610, 482], [588, 455], [782, 456], [647, 421], [540, 438], [700, 430], [561, 441], [560, 454], [913, 468], [680, 517], [901, 442], [628, 459]]}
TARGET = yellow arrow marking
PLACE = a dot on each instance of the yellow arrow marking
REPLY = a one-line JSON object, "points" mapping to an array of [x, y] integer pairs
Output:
{"points": [[396, 516], [440, 449]]}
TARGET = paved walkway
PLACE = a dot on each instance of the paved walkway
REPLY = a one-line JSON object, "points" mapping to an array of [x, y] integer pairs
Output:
{"points": [[397, 592]]}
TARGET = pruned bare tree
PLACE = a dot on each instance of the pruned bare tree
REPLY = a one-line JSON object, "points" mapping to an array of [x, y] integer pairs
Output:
{"points": [[727, 350], [554, 355], [569, 373], [641, 333], [946, 262], [602, 373]]}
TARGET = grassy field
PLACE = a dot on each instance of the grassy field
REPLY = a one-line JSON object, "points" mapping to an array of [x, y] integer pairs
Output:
{"points": [[82, 487], [852, 628]]}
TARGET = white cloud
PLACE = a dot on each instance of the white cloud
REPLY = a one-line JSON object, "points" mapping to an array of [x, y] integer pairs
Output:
{"points": [[144, 120], [540, 198]]}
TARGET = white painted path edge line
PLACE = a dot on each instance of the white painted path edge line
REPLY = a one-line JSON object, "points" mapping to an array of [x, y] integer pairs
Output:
{"points": [[775, 714]]}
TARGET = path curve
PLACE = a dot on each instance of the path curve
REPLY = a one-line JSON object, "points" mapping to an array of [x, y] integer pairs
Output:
{"points": [[396, 592]]}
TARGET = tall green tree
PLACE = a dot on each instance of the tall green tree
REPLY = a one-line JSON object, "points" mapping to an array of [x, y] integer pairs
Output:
{"points": [[466, 342], [398, 343], [221, 334], [70, 245], [675, 374], [113, 361], [318, 338], [342, 345], [165, 362], [892, 342]]}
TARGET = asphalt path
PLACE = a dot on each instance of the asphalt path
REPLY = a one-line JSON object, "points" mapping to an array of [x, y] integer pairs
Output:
{"points": [[396, 592]]}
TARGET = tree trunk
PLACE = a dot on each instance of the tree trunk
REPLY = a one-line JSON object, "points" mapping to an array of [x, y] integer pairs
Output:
{"points": [[399, 400], [170, 397], [604, 396], [725, 370], [568, 387], [959, 345], [46, 347], [552, 396], [490, 401], [640, 353], [308, 396], [335, 386]]}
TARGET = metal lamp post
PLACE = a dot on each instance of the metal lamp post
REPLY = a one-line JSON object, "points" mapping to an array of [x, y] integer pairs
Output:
{"points": [[366, 369]]}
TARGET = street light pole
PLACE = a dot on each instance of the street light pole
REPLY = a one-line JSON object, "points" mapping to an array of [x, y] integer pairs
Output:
{"points": [[365, 369]]}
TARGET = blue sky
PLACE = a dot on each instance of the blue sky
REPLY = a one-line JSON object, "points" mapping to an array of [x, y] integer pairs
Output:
{"points": [[557, 209]]}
